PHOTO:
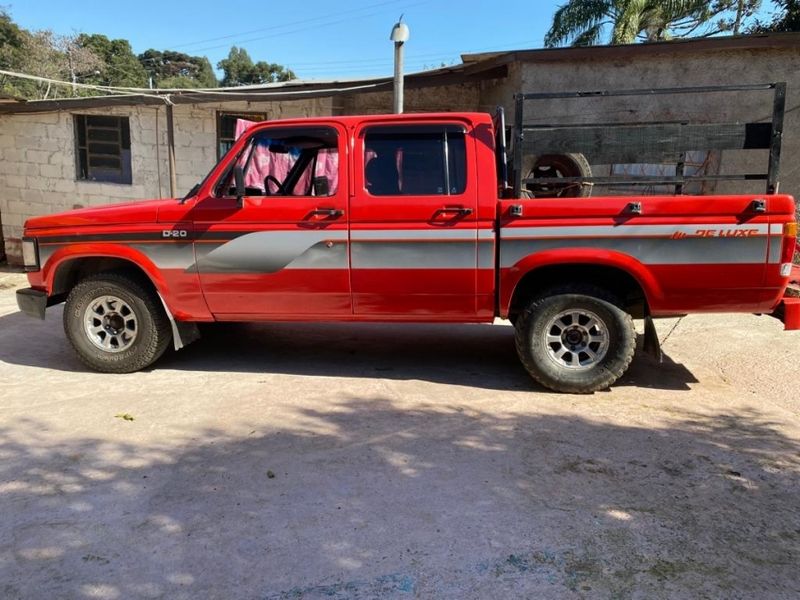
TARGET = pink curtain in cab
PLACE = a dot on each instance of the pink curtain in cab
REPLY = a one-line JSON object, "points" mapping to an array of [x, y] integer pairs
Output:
{"points": [[266, 163]]}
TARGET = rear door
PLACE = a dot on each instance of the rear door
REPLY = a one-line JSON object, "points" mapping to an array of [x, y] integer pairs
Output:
{"points": [[283, 252], [413, 221]]}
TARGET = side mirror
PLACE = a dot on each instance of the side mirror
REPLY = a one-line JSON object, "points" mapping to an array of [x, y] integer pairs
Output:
{"points": [[238, 177], [322, 186]]}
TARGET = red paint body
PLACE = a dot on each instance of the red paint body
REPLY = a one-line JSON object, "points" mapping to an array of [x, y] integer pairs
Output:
{"points": [[589, 231]]}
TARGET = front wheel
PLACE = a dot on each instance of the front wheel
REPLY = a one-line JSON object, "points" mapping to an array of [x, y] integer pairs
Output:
{"points": [[575, 339], [115, 324]]}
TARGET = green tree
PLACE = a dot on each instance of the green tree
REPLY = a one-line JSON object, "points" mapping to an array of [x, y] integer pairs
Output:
{"points": [[42, 54], [171, 69], [239, 69], [120, 65], [590, 22]]}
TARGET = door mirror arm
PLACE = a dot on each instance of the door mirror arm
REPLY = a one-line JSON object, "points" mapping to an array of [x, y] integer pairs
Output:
{"points": [[238, 176]]}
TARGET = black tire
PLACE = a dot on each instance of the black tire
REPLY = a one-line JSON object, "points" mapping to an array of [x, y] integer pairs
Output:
{"points": [[153, 331], [537, 355], [559, 165]]}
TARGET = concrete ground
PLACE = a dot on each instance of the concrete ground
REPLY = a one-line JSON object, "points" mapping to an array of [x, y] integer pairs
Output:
{"points": [[375, 461]]}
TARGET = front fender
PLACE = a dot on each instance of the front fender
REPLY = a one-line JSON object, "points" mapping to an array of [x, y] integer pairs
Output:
{"points": [[105, 250], [510, 277], [179, 289]]}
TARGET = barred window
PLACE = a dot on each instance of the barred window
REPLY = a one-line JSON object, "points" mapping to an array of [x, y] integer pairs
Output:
{"points": [[103, 148], [226, 128]]}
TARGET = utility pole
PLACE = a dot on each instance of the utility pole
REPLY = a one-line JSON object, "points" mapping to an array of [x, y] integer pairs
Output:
{"points": [[72, 72], [399, 36]]}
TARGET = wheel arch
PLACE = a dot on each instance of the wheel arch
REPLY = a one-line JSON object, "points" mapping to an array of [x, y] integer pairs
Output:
{"points": [[625, 278], [70, 268]]}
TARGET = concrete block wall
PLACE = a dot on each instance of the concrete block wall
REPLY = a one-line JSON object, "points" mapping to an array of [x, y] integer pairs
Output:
{"points": [[38, 170], [458, 97], [666, 69], [37, 157]]}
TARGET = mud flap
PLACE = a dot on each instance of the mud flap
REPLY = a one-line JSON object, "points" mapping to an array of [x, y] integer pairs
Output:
{"points": [[183, 332], [651, 344]]}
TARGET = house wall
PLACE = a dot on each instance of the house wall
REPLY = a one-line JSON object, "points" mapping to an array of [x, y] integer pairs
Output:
{"points": [[37, 151], [447, 98], [37, 157], [634, 70]]}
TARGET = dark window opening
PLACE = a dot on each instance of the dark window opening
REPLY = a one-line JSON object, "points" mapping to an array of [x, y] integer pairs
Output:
{"points": [[103, 148], [226, 128], [415, 161]]}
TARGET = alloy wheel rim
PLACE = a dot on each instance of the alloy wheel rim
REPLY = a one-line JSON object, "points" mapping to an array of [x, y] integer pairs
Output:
{"points": [[110, 324], [576, 339]]}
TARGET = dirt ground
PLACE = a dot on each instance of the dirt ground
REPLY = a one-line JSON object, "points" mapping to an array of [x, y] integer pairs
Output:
{"points": [[373, 461]]}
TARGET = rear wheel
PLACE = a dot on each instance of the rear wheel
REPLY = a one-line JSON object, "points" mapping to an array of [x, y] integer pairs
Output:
{"points": [[115, 324], [575, 339]]}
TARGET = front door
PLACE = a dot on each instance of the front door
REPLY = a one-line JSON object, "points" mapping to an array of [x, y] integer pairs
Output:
{"points": [[413, 221], [282, 250]]}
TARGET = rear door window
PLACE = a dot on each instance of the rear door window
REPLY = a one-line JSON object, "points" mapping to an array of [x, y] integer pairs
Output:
{"points": [[415, 161]]}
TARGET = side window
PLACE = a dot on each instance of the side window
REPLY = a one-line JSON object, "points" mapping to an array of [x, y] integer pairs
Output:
{"points": [[226, 128], [103, 148], [415, 161], [287, 162]]}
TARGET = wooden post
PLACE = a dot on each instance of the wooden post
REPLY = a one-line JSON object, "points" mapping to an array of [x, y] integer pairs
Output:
{"points": [[171, 150]]}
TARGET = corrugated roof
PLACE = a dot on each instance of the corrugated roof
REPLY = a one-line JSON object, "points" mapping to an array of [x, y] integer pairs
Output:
{"points": [[571, 53], [289, 90], [8, 99]]}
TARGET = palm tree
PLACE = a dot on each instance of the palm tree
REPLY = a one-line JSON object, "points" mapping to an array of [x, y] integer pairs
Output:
{"points": [[583, 22]]}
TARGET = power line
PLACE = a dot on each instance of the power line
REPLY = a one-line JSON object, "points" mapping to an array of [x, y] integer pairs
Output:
{"points": [[433, 55], [303, 29], [164, 94], [338, 14]]}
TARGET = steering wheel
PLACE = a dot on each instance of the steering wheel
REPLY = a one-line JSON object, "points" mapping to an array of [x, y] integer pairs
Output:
{"points": [[272, 179]]}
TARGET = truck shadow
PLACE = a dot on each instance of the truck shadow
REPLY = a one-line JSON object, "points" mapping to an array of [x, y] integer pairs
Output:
{"points": [[481, 355]]}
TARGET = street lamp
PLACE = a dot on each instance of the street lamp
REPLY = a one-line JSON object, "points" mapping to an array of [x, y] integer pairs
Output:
{"points": [[399, 36]]}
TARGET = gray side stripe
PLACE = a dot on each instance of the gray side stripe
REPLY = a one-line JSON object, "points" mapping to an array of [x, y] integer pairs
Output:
{"points": [[485, 256], [403, 255], [363, 235], [321, 256], [775, 246], [581, 231], [650, 251], [264, 251], [168, 256]]}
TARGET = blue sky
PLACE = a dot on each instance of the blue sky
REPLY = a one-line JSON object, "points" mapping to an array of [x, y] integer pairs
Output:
{"points": [[316, 39]]}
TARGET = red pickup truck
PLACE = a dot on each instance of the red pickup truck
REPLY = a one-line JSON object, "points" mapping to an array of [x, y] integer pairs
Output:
{"points": [[403, 218]]}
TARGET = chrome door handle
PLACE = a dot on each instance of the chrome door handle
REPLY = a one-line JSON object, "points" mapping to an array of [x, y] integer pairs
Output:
{"points": [[456, 209], [328, 212]]}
